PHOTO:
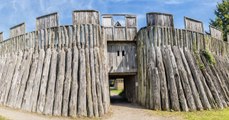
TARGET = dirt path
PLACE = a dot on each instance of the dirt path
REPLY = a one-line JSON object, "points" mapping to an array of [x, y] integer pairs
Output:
{"points": [[13, 114], [119, 111], [128, 111]]}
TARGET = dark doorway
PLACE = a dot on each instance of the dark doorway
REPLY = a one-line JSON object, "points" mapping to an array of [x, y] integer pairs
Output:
{"points": [[122, 88]]}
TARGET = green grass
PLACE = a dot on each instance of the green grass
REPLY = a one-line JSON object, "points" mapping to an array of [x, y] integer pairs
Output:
{"points": [[2, 118], [208, 115], [116, 92], [199, 115]]}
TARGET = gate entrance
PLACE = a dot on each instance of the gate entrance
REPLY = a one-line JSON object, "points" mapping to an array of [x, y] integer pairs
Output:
{"points": [[121, 30], [122, 88]]}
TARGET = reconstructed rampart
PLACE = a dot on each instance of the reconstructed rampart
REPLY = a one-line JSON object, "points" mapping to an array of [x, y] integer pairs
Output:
{"points": [[64, 70]]}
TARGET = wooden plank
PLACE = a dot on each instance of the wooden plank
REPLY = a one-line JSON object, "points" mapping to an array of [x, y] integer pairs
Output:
{"points": [[24, 80], [74, 88], [162, 76], [119, 33], [180, 91], [98, 83], [47, 21], [44, 80], [88, 75], [49, 100], [143, 97], [1, 36], [26, 103], [102, 82], [197, 80], [171, 80], [155, 89], [4, 75], [17, 30], [131, 33], [212, 86], [131, 21], [67, 82], [122, 58], [109, 33], [3, 64], [193, 25], [107, 21], [93, 83], [14, 93], [37, 83], [14, 79], [82, 108], [216, 33], [191, 82], [159, 19], [85, 17], [223, 77], [8, 80], [184, 80], [59, 83], [219, 85]]}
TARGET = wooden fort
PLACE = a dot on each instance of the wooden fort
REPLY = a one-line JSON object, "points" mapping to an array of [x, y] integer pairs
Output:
{"points": [[63, 70]]}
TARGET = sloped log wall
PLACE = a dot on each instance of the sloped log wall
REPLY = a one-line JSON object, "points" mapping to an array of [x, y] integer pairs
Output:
{"points": [[56, 71], [177, 78]]}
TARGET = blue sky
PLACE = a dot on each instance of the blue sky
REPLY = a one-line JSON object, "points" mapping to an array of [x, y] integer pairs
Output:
{"points": [[13, 12]]}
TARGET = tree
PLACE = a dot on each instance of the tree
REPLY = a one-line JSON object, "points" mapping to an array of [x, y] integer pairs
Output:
{"points": [[222, 18]]}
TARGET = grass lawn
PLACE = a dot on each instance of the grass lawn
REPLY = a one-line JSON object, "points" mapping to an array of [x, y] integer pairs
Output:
{"points": [[2, 118], [199, 115], [116, 92]]}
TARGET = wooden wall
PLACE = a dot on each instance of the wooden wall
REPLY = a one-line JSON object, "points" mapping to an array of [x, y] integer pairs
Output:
{"points": [[63, 70], [122, 58], [85, 17], [193, 25], [159, 19], [65, 77], [130, 88], [17, 30], [120, 33], [173, 78], [1, 36], [171, 36], [47, 21], [173, 72], [184, 38], [216, 33]]}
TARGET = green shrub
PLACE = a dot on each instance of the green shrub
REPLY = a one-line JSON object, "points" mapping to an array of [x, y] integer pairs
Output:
{"points": [[197, 57], [209, 57]]}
